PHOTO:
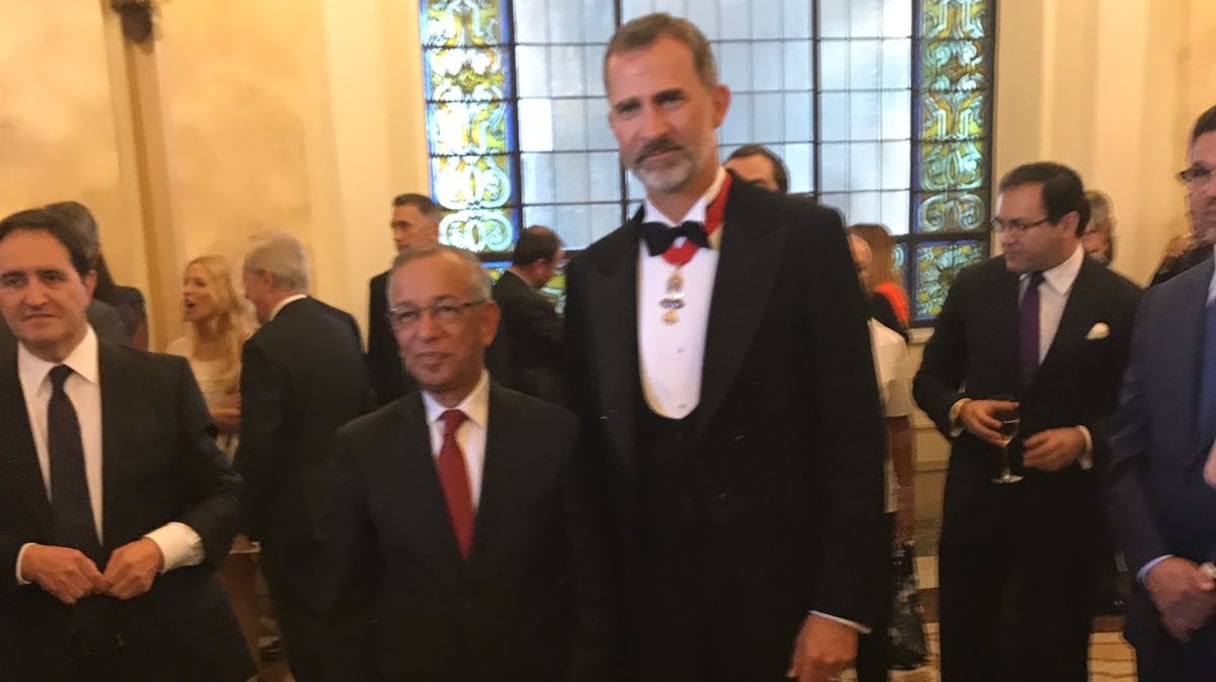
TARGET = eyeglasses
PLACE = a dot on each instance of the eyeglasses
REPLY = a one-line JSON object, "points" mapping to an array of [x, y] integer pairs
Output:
{"points": [[445, 312], [1015, 224], [1197, 175]]}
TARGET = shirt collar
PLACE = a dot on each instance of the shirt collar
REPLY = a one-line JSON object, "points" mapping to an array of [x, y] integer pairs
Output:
{"points": [[33, 370], [1061, 277], [283, 304], [476, 405], [696, 213]]}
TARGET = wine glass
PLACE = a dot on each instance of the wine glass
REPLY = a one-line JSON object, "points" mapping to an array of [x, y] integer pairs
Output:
{"points": [[1010, 422]]}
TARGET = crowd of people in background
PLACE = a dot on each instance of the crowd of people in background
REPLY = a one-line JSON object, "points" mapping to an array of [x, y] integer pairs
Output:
{"points": [[698, 472]]}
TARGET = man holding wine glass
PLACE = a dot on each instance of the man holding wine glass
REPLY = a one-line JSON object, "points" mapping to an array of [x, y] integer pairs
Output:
{"points": [[1021, 374]]}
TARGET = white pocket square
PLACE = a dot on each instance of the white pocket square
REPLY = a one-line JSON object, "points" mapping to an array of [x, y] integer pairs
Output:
{"points": [[1099, 331]]}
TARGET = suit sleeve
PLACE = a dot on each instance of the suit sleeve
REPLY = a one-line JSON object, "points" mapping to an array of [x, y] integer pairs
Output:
{"points": [[1127, 506], [213, 506], [542, 322], [848, 432], [264, 392], [381, 355], [937, 383]]}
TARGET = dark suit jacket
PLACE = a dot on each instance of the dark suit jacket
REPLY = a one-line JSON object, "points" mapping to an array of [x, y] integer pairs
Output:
{"points": [[302, 376], [1156, 499], [389, 377], [787, 442], [160, 464], [531, 335], [527, 604], [973, 353]]}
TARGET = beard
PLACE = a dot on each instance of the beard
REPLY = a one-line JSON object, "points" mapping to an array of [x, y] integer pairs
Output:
{"points": [[669, 174]]}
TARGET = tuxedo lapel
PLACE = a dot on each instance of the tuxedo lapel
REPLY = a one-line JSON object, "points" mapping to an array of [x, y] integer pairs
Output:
{"points": [[413, 480], [19, 467], [500, 480], [612, 290], [119, 419], [1189, 358], [748, 261]]}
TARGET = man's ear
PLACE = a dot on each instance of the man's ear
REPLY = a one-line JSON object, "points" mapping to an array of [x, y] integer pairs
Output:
{"points": [[90, 282]]}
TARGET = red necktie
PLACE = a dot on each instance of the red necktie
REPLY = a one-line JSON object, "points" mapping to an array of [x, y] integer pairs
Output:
{"points": [[454, 478]]}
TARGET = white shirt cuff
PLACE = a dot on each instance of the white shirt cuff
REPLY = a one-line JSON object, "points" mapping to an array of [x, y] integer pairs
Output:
{"points": [[1087, 458], [1142, 574], [843, 621], [20, 556], [179, 545], [956, 413]]}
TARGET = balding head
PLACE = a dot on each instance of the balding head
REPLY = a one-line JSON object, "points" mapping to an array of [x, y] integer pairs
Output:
{"points": [[861, 259]]}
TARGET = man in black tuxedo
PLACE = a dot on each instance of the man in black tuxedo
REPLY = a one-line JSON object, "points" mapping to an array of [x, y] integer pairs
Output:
{"points": [[532, 336], [302, 376], [115, 504], [760, 166], [1161, 495], [724, 378], [1049, 328], [468, 552], [415, 221]]}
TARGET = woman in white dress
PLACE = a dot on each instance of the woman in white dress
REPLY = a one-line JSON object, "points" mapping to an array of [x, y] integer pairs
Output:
{"points": [[216, 326]]}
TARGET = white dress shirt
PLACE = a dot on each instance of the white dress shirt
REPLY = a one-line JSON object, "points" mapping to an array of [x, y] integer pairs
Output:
{"points": [[670, 355], [1053, 295], [179, 544], [471, 436]]}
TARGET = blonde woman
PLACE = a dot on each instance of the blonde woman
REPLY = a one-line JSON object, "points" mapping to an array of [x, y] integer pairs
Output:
{"points": [[216, 326]]}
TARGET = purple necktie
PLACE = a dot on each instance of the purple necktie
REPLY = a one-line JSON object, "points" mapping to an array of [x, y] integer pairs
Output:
{"points": [[1028, 329]]}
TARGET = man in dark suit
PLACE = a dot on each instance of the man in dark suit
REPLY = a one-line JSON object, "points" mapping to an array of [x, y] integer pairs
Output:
{"points": [[468, 554], [302, 376], [115, 504], [532, 339], [724, 378], [415, 221], [1049, 328], [760, 166], [1161, 511]]}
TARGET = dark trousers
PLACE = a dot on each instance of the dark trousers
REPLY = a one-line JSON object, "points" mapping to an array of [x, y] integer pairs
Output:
{"points": [[299, 610], [874, 649], [1016, 595]]}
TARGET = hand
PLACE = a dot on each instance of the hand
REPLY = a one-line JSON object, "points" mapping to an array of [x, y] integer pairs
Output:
{"points": [[1184, 594], [823, 649], [1053, 449], [979, 417], [905, 514], [132, 569], [64, 572]]}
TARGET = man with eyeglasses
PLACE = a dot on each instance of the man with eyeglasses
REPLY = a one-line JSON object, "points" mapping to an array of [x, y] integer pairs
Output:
{"points": [[466, 550], [1162, 471], [1195, 247], [1042, 330], [302, 376]]}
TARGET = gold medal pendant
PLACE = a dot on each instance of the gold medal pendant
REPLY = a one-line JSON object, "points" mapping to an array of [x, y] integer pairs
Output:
{"points": [[674, 300]]}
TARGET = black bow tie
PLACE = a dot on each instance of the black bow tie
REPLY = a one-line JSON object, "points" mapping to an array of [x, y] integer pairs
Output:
{"points": [[659, 236]]}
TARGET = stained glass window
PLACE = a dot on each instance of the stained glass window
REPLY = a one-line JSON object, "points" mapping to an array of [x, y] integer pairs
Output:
{"points": [[881, 108]]}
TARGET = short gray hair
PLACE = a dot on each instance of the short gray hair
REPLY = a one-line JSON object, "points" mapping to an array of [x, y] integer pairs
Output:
{"points": [[283, 256], [479, 281]]}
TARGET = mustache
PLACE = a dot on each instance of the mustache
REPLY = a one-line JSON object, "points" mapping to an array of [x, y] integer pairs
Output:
{"points": [[657, 146]]}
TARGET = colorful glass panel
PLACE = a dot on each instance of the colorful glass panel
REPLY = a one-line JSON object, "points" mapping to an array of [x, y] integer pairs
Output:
{"points": [[470, 121], [954, 19], [937, 263], [954, 115], [952, 165], [952, 212]]}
